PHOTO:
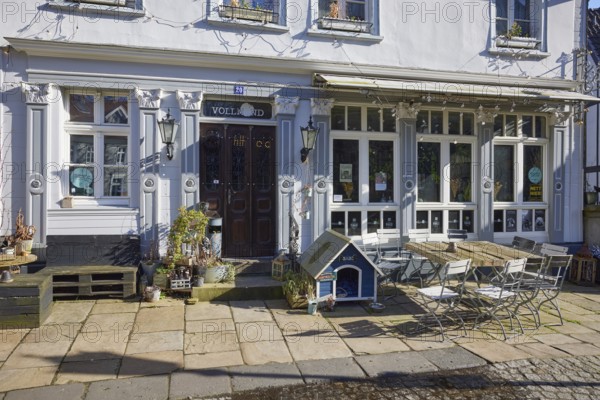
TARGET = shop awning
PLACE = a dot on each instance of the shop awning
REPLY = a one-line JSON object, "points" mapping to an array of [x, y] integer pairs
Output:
{"points": [[461, 90]]}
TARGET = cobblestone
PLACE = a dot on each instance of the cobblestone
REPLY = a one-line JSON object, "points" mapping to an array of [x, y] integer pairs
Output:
{"points": [[562, 379]]}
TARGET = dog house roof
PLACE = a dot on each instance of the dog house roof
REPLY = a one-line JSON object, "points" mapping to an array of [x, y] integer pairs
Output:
{"points": [[324, 251]]}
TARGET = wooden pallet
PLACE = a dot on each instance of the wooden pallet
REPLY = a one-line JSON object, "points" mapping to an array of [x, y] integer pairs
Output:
{"points": [[87, 280], [25, 302]]}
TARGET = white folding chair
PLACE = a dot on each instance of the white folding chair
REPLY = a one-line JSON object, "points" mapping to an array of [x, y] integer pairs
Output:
{"points": [[369, 244], [390, 244], [392, 260], [497, 301], [422, 268], [441, 301], [548, 249]]}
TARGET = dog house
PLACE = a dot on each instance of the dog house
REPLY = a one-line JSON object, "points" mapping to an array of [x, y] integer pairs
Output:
{"points": [[340, 268]]}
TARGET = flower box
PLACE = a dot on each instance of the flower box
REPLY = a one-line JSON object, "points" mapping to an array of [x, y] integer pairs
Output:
{"points": [[517, 42], [250, 14], [345, 25], [117, 3]]}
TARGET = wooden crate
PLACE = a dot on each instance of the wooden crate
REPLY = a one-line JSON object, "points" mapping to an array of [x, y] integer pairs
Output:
{"points": [[583, 271], [97, 280], [25, 302]]}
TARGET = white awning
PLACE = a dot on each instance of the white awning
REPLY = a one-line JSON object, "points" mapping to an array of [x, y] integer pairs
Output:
{"points": [[465, 90]]}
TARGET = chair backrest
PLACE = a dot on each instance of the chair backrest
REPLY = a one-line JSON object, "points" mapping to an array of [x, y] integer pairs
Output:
{"points": [[557, 267], [456, 234], [548, 249], [456, 271], [522, 243], [418, 235], [390, 239], [369, 243], [512, 273]]}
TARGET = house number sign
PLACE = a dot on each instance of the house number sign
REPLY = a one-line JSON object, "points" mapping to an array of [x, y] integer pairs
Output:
{"points": [[237, 109]]}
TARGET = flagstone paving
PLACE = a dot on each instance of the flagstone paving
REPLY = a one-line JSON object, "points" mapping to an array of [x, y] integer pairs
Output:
{"points": [[91, 341]]}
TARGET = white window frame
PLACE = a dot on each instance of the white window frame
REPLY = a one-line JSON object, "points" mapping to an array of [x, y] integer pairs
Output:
{"points": [[216, 16], [98, 129], [368, 27], [527, 40]]}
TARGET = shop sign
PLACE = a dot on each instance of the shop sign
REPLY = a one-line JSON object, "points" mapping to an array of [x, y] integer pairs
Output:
{"points": [[535, 193], [237, 109], [327, 277]]}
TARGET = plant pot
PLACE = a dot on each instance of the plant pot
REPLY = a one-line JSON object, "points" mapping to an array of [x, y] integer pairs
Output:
{"points": [[215, 274], [26, 245], [591, 198], [149, 269], [517, 42], [198, 281], [152, 294]]}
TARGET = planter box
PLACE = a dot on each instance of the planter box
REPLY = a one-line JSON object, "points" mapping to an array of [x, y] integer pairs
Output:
{"points": [[118, 3], [345, 25], [517, 42], [250, 14], [297, 302]]}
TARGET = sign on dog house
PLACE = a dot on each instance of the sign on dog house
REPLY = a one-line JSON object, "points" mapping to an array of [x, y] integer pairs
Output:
{"points": [[340, 268]]}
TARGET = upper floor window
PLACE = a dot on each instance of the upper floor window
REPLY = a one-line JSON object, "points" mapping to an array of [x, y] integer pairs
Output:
{"points": [[346, 15], [116, 3], [517, 23], [264, 11]]}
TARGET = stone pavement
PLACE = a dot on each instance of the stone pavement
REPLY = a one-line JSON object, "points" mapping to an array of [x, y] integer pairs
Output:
{"points": [[124, 350]]}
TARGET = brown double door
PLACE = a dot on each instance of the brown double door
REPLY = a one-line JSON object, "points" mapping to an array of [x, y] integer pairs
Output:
{"points": [[237, 178]]}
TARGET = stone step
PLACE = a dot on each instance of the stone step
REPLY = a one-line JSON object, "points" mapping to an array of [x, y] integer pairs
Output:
{"points": [[252, 266], [245, 287]]}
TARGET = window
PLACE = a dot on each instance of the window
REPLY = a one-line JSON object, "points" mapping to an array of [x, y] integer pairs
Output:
{"points": [[520, 171], [351, 118], [345, 15], [458, 122], [264, 11], [517, 23], [115, 3], [98, 135]]}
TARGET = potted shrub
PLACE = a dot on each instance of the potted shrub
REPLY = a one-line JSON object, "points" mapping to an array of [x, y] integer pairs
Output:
{"points": [[298, 289], [23, 235]]}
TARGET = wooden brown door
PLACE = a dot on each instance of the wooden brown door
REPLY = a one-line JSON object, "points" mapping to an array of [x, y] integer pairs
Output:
{"points": [[238, 182]]}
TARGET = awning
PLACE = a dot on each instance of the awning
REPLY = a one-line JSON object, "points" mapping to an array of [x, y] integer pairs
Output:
{"points": [[461, 90]]}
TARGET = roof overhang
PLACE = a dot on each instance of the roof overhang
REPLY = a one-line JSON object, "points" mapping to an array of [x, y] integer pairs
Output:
{"points": [[464, 91]]}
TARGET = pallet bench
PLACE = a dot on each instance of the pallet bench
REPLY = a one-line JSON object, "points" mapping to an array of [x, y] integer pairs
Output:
{"points": [[26, 302]]}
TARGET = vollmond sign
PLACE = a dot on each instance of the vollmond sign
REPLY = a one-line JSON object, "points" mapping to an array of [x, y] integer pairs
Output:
{"points": [[237, 109]]}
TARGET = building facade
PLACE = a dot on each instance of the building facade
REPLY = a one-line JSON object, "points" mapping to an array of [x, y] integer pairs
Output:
{"points": [[431, 115]]}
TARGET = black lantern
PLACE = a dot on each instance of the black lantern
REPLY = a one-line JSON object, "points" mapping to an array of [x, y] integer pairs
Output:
{"points": [[309, 138], [168, 129]]}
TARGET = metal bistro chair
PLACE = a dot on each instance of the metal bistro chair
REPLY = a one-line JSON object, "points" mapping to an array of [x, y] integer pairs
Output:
{"points": [[392, 259], [524, 244], [497, 301], [421, 268], [551, 282], [441, 301]]}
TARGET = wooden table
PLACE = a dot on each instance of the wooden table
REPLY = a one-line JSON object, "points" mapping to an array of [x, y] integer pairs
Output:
{"points": [[481, 253], [7, 261]]}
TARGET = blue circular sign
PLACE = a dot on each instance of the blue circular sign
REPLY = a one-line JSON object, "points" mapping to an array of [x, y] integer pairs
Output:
{"points": [[535, 175]]}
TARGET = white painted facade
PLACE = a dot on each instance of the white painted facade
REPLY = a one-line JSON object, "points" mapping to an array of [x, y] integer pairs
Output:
{"points": [[176, 56]]}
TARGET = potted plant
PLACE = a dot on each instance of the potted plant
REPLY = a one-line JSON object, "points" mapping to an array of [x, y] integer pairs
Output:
{"points": [[334, 21], [150, 262], [23, 235], [515, 38], [243, 10], [298, 289]]}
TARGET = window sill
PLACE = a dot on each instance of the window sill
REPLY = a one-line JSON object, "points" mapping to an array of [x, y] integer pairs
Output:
{"points": [[365, 37], [124, 12], [228, 22], [518, 52]]}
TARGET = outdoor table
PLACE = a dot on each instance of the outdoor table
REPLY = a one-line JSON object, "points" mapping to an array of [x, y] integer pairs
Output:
{"points": [[7, 261]]}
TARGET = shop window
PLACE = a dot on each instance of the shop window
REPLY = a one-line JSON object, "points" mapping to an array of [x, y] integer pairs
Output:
{"points": [[429, 168], [533, 183], [345, 171], [381, 167], [504, 165], [98, 141], [460, 172], [432, 220]]}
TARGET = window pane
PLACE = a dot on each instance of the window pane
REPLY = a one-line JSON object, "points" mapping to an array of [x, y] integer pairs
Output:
{"points": [[510, 128], [389, 219], [467, 223], [511, 220], [354, 119], [422, 220], [540, 220], [374, 119], [522, 10], [82, 149], [115, 150], [381, 166], [324, 8], [502, 8], [468, 123], [498, 221], [503, 173], [81, 181], [115, 181], [498, 125], [115, 110], [354, 228], [453, 219], [338, 222], [526, 223], [81, 108], [437, 122], [533, 183], [345, 171], [429, 171], [540, 127], [527, 127], [437, 222], [355, 9], [423, 122], [373, 221], [460, 172], [338, 117], [454, 123], [389, 121], [501, 26]]}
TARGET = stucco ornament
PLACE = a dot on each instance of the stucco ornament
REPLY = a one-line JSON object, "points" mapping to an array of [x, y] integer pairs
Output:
{"points": [[36, 93], [321, 107], [558, 116], [407, 110], [485, 115], [191, 101], [285, 105], [149, 98]]}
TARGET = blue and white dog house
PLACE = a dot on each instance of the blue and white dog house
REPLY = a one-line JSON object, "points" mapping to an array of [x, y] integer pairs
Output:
{"points": [[340, 268]]}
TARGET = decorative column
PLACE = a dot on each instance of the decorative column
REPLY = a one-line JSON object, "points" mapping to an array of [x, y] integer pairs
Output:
{"points": [[284, 109], [150, 149], [36, 98], [190, 104], [558, 201], [319, 174], [485, 120], [406, 114]]}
